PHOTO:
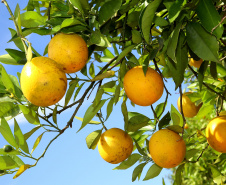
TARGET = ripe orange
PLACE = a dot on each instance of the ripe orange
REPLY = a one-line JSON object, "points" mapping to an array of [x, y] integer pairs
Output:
{"points": [[43, 83], [195, 63], [167, 148], [189, 108], [216, 134], [70, 51], [186, 126], [115, 145], [143, 90]]}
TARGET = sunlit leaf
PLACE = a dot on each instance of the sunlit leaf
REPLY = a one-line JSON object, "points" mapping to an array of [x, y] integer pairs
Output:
{"points": [[21, 170], [93, 138], [132, 159]]}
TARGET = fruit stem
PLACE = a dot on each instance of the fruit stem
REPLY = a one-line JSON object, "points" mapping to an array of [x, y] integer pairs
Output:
{"points": [[16, 25]]}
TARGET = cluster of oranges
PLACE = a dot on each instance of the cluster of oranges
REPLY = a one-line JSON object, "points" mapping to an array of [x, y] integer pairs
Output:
{"points": [[43, 79], [44, 83]]}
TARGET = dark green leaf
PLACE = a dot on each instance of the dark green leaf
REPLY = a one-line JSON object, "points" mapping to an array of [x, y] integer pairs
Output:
{"points": [[132, 159], [209, 17], [213, 69], [201, 73], [110, 107], [77, 4], [136, 37], [164, 121], [140, 150], [191, 153], [136, 121], [98, 97], [21, 141], [117, 93], [147, 19], [202, 43], [137, 171], [93, 138], [108, 10], [175, 9], [124, 52], [125, 114], [153, 171], [178, 178], [159, 109], [13, 152]]}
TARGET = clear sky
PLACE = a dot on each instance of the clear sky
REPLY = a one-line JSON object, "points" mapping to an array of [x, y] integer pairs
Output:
{"points": [[68, 160]]}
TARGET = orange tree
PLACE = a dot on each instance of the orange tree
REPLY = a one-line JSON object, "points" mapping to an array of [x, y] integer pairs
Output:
{"points": [[120, 35]]}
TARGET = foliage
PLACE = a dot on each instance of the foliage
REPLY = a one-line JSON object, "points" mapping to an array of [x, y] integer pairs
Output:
{"points": [[121, 34]]}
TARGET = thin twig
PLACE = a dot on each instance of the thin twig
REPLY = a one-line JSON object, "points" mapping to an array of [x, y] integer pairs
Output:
{"points": [[199, 155]]}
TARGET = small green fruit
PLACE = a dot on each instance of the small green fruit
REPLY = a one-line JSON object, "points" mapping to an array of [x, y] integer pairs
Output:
{"points": [[7, 148]]}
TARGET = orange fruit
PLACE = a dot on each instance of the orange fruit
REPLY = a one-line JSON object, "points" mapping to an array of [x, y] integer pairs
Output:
{"points": [[186, 126], [143, 90], [115, 145], [70, 51], [216, 134], [167, 148], [43, 83], [195, 63], [189, 108]]}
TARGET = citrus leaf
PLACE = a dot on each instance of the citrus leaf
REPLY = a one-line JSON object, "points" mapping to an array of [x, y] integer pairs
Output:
{"points": [[31, 19], [92, 70], [54, 116], [175, 128], [209, 17], [136, 121], [137, 171], [136, 37], [147, 19], [106, 74], [32, 131], [125, 114], [164, 121], [93, 138], [90, 113], [7, 133], [21, 170], [110, 107], [20, 139], [91, 122], [78, 90], [117, 93], [132, 159], [6, 162], [178, 178], [70, 22], [202, 43], [191, 153], [30, 115], [217, 177], [98, 97], [176, 116], [213, 69], [37, 141], [175, 10], [108, 10], [77, 4], [153, 171], [70, 91], [124, 52]]}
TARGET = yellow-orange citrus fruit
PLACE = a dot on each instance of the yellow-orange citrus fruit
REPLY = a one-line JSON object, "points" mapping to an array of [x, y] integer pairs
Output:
{"points": [[189, 108], [186, 126], [115, 145], [143, 89], [167, 148], [195, 63], [222, 113], [70, 51], [216, 134], [43, 83]]}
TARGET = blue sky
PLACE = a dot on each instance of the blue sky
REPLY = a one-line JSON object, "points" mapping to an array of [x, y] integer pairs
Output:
{"points": [[68, 160]]}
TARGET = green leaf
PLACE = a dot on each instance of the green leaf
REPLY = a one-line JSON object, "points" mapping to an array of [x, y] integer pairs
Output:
{"points": [[78, 90], [136, 121], [153, 171], [77, 5], [70, 22], [93, 138], [132, 159], [175, 10], [205, 110], [6, 107], [110, 107], [31, 19], [147, 19], [7, 133], [178, 178], [201, 73], [159, 21], [191, 153], [98, 97], [159, 109], [124, 53], [6, 162], [70, 91], [37, 141], [91, 122], [108, 10], [92, 70], [137, 171], [140, 150], [7, 59], [117, 93], [99, 39], [32, 131], [217, 177], [17, 41], [6, 80], [202, 43], [54, 116], [125, 114], [176, 116], [172, 45], [209, 17], [136, 37], [175, 128], [90, 113], [213, 69], [30, 115], [20, 139], [164, 121], [18, 161]]}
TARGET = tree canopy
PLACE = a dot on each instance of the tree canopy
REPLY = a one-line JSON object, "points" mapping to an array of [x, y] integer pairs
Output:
{"points": [[120, 34]]}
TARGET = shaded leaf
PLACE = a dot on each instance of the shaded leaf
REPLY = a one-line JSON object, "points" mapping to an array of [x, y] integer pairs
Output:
{"points": [[178, 177], [70, 91], [164, 121], [132, 159], [30, 115], [175, 128], [6, 162], [153, 171], [137, 171]]}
